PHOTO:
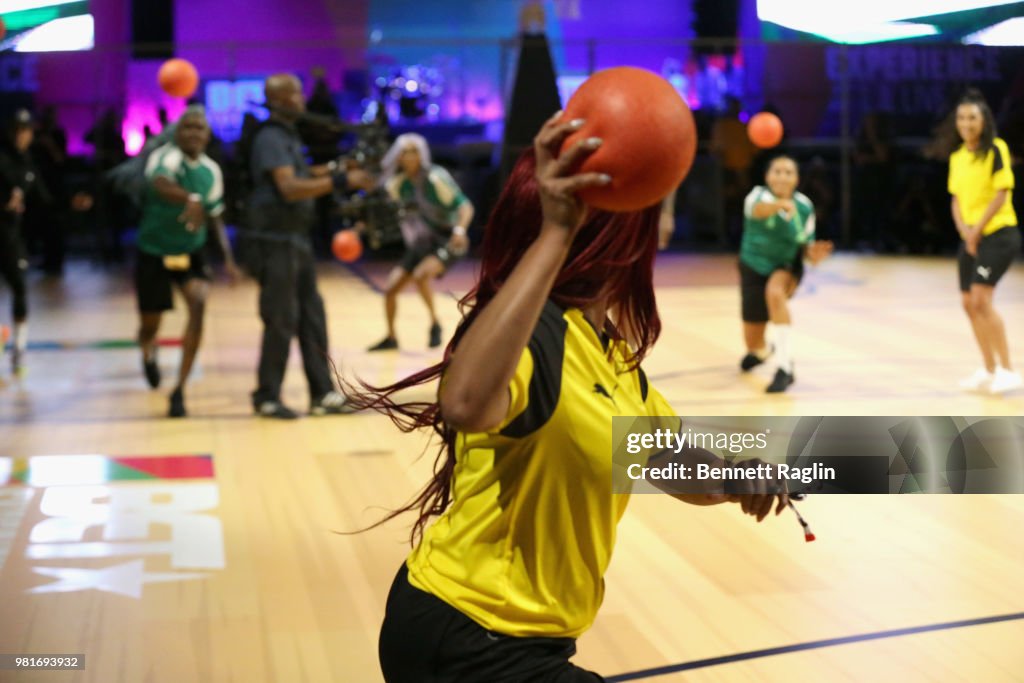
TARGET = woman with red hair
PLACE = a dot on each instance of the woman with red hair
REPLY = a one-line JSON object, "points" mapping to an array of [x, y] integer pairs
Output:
{"points": [[548, 351]]}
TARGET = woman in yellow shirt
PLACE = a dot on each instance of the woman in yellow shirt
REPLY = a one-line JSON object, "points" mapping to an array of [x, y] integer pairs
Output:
{"points": [[981, 182], [549, 350]]}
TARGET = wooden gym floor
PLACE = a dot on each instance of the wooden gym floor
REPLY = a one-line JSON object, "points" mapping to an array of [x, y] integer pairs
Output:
{"points": [[181, 567]]}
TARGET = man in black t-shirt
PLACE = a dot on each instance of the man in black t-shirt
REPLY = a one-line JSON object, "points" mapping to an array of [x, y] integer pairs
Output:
{"points": [[280, 216]]}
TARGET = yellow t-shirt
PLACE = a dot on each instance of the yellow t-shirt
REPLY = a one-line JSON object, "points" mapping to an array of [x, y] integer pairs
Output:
{"points": [[524, 545], [974, 182]]}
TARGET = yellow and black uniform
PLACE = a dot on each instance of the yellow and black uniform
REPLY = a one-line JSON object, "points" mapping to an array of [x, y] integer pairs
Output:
{"points": [[517, 561], [974, 180]]}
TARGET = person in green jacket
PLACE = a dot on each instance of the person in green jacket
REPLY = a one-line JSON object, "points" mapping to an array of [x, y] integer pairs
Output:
{"points": [[185, 195]]}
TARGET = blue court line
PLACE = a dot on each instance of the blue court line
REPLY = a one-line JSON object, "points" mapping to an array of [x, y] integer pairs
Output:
{"points": [[812, 645]]}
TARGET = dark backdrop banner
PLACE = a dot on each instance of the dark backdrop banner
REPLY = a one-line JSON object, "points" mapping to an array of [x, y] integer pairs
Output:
{"points": [[914, 85]]}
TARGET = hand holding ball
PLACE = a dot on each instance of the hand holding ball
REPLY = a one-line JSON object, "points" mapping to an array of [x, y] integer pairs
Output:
{"points": [[649, 138]]}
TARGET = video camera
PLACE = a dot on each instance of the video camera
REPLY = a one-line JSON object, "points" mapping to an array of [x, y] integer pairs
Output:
{"points": [[374, 209]]}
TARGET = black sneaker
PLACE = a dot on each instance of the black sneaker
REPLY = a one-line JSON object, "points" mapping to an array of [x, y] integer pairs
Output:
{"points": [[749, 362], [435, 336], [177, 405], [752, 360], [781, 382], [331, 403], [277, 410], [386, 344], [152, 371]]}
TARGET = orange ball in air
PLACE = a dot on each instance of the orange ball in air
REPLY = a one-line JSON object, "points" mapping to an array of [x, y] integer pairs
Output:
{"points": [[178, 78], [346, 246], [649, 138], [765, 130]]}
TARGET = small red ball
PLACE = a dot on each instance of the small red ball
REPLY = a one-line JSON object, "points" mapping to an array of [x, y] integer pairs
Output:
{"points": [[765, 130], [178, 78], [346, 246]]}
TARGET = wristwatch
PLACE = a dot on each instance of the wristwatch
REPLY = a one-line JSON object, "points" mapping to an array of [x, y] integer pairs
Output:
{"points": [[195, 197], [459, 230]]}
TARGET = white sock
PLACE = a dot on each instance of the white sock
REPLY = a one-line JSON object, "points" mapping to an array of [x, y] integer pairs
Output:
{"points": [[783, 356], [21, 336]]}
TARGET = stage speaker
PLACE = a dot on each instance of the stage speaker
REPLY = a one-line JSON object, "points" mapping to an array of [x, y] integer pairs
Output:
{"points": [[716, 19], [533, 100], [152, 29]]}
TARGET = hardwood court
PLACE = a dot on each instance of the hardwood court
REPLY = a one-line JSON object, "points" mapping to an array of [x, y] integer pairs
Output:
{"points": [[238, 577]]}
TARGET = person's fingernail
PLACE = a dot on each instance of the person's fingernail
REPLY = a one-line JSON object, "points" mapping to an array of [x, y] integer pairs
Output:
{"points": [[593, 143], [604, 178], [576, 123]]}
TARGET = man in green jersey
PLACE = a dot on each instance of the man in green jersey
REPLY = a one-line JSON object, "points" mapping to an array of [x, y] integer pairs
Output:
{"points": [[185, 196], [778, 234]]}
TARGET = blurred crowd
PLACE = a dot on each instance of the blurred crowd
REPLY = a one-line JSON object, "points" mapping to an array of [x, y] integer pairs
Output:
{"points": [[898, 201]]}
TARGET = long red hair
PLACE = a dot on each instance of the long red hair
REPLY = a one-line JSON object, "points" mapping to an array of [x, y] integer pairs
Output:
{"points": [[611, 258]]}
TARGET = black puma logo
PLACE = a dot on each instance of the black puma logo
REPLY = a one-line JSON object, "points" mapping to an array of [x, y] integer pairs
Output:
{"points": [[599, 389]]}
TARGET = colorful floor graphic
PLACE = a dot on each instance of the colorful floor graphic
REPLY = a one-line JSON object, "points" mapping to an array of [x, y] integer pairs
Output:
{"points": [[78, 470]]}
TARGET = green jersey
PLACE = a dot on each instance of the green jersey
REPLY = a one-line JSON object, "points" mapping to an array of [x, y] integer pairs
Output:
{"points": [[774, 242], [161, 233], [436, 197]]}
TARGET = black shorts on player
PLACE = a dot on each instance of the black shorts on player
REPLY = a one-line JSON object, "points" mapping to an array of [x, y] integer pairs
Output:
{"points": [[995, 254], [426, 640], [753, 284], [154, 280], [413, 256]]}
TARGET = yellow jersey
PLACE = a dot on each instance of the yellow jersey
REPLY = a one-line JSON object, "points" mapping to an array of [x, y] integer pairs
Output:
{"points": [[523, 547], [974, 182]]}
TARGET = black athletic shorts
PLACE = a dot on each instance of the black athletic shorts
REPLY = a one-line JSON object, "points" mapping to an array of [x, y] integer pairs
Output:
{"points": [[995, 254], [753, 302], [414, 255], [425, 640], [153, 279]]}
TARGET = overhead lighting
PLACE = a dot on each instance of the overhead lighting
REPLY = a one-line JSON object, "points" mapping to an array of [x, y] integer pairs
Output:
{"points": [[1009, 33], [877, 33], [793, 13], [12, 6], [60, 35], [872, 21]]}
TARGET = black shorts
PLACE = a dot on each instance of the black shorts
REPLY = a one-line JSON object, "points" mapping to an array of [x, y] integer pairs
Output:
{"points": [[13, 266], [425, 640], [414, 255], [995, 254], [153, 279], [753, 302]]}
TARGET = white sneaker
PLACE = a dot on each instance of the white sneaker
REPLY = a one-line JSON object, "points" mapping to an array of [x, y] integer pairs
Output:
{"points": [[980, 380], [1004, 381], [332, 403]]}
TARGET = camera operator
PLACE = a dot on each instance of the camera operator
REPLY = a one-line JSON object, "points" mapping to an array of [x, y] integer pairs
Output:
{"points": [[281, 216]]}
